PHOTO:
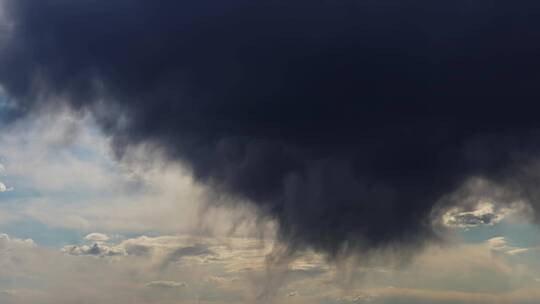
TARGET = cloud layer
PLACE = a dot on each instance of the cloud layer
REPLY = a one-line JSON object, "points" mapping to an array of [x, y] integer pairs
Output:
{"points": [[235, 272]]}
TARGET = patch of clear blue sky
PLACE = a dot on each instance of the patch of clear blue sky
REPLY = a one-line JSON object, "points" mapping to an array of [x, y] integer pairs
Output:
{"points": [[42, 234], [56, 237], [24, 194], [522, 234], [24, 191], [25, 227], [5, 107]]}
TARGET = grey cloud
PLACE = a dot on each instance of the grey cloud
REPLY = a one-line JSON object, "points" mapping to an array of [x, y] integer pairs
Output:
{"points": [[138, 250], [97, 249], [166, 249], [197, 250], [484, 213]]}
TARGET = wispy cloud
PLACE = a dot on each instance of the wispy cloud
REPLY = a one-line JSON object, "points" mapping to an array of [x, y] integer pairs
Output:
{"points": [[500, 244], [66, 176], [166, 284], [228, 270], [97, 237]]}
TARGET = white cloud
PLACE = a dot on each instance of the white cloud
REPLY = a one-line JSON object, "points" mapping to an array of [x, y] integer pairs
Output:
{"points": [[517, 251], [4, 188], [125, 278], [64, 162], [39, 275], [62, 146], [7, 243], [500, 244], [233, 275]]}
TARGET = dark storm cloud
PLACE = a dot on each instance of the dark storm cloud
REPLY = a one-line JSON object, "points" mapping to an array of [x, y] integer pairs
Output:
{"points": [[346, 121]]}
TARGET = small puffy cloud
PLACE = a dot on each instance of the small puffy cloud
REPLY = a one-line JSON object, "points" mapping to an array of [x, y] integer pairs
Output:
{"points": [[4, 188], [484, 213], [97, 237], [165, 284]]}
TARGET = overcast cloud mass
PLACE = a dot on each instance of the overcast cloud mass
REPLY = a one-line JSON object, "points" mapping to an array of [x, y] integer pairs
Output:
{"points": [[345, 129]]}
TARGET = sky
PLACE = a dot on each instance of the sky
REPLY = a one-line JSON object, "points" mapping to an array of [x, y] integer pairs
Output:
{"points": [[276, 152], [79, 225]]}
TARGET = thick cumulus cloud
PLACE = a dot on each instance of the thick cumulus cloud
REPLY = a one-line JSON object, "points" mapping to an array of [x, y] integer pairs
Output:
{"points": [[345, 121]]}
